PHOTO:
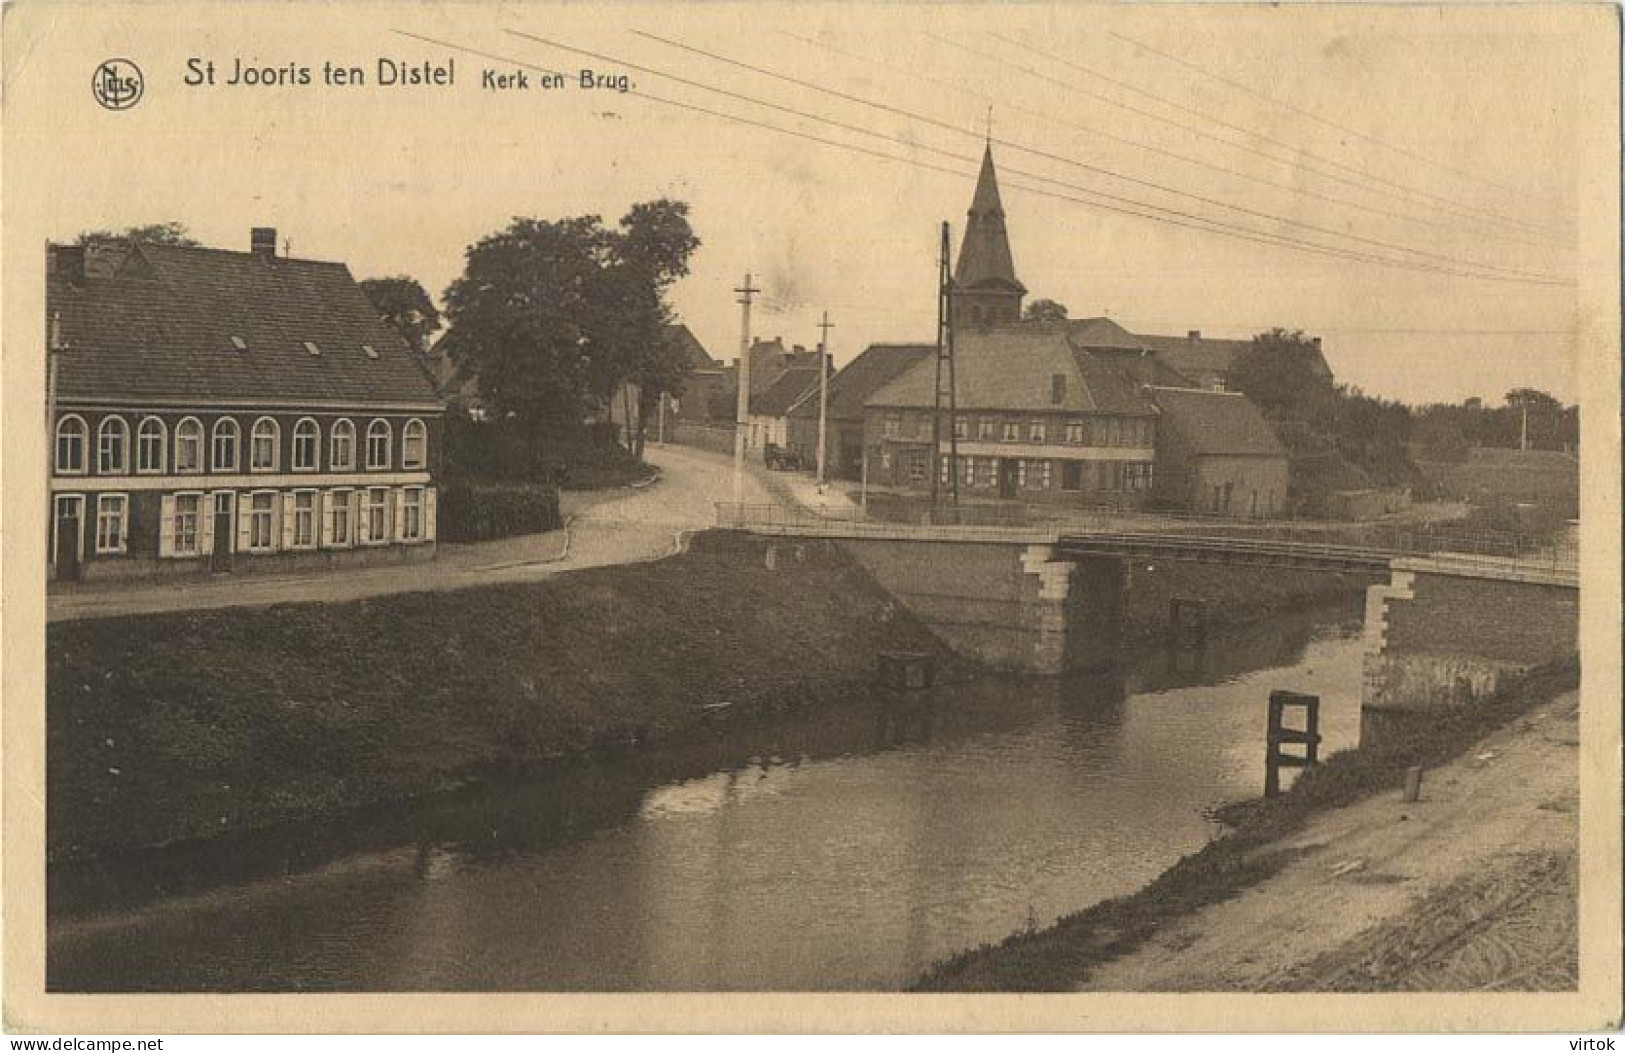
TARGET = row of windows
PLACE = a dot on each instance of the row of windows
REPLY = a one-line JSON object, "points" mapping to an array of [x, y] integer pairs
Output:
{"points": [[270, 520], [1031, 473], [1097, 431], [1038, 474], [264, 452]]}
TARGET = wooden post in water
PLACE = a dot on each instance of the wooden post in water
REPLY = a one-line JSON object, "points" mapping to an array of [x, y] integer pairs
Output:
{"points": [[1277, 734]]}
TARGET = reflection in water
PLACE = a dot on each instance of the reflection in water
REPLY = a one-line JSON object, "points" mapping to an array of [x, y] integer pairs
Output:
{"points": [[843, 849]]}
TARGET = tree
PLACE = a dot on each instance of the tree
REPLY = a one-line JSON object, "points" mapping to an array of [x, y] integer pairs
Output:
{"points": [[1281, 373], [170, 233], [1045, 311], [552, 318], [405, 307]]}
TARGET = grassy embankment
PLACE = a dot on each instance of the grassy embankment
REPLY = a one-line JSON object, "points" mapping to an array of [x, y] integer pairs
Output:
{"points": [[1060, 957], [174, 727]]}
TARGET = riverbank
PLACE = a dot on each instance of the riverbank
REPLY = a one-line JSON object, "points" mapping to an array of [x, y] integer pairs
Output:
{"points": [[178, 727], [1152, 939]]}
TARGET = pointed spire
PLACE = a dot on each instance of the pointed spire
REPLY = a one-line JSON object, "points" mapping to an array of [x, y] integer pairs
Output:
{"points": [[984, 254]]}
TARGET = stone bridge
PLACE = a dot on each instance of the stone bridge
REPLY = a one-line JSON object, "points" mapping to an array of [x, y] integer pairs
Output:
{"points": [[1442, 626]]}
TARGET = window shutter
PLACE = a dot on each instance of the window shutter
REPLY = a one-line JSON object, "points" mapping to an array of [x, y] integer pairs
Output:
{"points": [[355, 517], [287, 520], [428, 513], [327, 519], [399, 531], [245, 517], [166, 527], [205, 526]]}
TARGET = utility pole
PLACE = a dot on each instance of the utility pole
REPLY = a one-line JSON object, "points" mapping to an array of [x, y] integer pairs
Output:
{"points": [[945, 365], [824, 327], [745, 292]]}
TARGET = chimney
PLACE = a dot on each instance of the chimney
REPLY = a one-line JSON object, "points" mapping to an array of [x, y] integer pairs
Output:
{"points": [[1316, 342], [1194, 335], [69, 262], [262, 242]]}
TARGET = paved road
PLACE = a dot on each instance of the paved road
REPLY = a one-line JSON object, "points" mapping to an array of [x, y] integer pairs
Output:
{"points": [[622, 526]]}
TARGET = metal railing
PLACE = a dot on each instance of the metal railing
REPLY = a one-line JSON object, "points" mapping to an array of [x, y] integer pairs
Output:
{"points": [[1478, 553]]}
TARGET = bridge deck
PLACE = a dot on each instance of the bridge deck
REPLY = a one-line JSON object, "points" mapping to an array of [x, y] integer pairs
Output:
{"points": [[1255, 543]]}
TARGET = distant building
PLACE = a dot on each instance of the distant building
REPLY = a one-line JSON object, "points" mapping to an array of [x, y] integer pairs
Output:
{"points": [[849, 389], [1217, 454], [1080, 412], [769, 420], [215, 410], [1037, 420]]}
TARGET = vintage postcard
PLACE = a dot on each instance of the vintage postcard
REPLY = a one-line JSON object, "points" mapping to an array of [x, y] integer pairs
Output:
{"points": [[819, 517]]}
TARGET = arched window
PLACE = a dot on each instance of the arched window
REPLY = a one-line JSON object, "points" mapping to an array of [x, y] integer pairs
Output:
{"points": [[378, 439], [341, 458], [189, 445], [150, 441], [414, 444], [113, 446], [262, 446], [70, 445], [306, 441], [223, 458]]}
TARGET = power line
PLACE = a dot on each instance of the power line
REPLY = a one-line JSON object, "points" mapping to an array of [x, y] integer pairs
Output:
{"points": [[1197, 222], [1174, 154], [1097, 169], [1436, 198], [1301, 111]]}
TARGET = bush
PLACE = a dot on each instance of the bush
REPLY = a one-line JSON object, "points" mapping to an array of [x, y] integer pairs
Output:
{"points": [[501, 452], [478, 512]]}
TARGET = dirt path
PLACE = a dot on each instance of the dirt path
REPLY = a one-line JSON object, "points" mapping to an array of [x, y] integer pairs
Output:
{"points": [[1474, 887]]}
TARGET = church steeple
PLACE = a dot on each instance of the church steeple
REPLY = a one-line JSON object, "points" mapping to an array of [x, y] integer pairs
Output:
{"points": [[986, 291]]}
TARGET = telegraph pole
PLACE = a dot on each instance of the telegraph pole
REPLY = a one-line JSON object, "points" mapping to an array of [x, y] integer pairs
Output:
{"points": [[745, 292], [824, 327]]}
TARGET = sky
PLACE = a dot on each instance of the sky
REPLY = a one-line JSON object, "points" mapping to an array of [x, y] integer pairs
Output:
{"points": [[1437, 156]]}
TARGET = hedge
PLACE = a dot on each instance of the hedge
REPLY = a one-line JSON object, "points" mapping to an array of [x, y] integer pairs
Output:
{"points": [[482, 512]]}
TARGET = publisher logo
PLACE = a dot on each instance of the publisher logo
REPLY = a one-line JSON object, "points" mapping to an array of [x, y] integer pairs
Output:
{"points": [[117, 84]]}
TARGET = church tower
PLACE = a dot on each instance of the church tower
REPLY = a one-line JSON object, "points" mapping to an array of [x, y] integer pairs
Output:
{"points": [[986, 292]]}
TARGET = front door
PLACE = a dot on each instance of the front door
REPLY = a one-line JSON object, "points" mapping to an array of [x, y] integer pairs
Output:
{"points": [[224, 536], [1007, 477], [69, 515]]}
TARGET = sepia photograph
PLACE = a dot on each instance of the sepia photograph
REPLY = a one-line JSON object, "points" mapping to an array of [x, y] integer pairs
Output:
{"points": [[746, 506]]}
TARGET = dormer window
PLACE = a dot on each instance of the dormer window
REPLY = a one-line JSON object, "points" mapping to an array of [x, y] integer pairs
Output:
{"points": [[312, 348], [239, 343]]}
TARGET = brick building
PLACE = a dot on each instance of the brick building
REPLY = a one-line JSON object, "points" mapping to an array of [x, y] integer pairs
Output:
{"points": [[1217, 454], [878, 365], [215, 411], [1038, 420]]}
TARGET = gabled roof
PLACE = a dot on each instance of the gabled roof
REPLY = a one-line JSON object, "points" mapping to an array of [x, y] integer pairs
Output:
{"points": [[984, 255], [849, 389], [778, 397], [159, 326], [1216, 422], [694, 352], [1013, 368]]}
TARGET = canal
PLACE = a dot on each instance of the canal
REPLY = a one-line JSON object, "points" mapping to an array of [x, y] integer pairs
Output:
{"points": [[843, 849]]}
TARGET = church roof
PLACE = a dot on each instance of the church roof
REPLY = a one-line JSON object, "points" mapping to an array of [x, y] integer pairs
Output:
{"points": [[984, 255]]}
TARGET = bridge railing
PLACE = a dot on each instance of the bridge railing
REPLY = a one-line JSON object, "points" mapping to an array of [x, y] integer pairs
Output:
{"points": [[1512, 554]]}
